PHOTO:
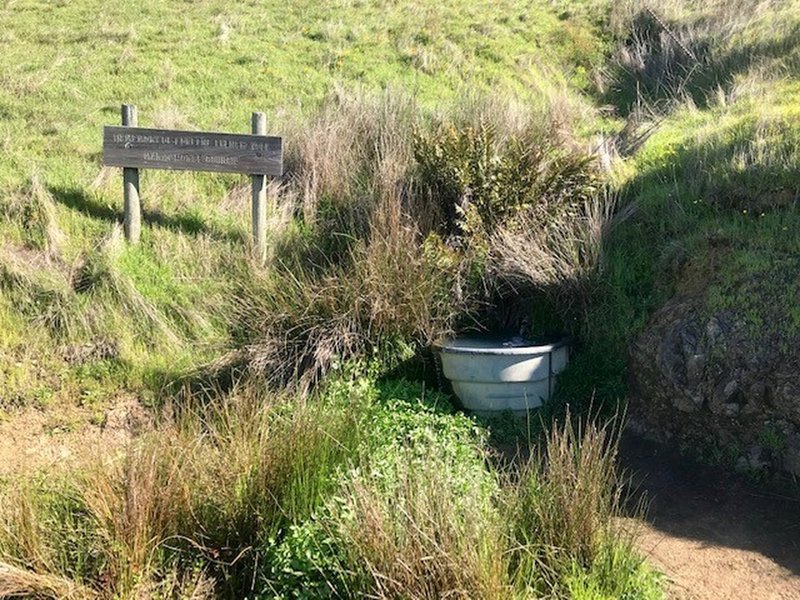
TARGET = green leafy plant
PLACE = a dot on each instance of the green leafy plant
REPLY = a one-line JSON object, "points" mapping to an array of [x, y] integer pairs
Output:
{"points": [[481, 181]]}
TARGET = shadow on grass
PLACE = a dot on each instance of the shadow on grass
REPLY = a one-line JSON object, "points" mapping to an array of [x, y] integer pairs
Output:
{"points": [[667, 73], [198, 387], [190, 224]]}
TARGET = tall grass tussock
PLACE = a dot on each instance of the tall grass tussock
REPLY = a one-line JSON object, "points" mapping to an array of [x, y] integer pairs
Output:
{"points": [[189, 501]]}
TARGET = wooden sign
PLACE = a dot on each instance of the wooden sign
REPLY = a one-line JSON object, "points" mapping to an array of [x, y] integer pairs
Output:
{"points": [[136, 147], [132, 148]]}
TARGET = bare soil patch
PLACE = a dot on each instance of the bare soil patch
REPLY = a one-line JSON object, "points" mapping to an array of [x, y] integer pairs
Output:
{"points": [[714, 534], [61, 437]]}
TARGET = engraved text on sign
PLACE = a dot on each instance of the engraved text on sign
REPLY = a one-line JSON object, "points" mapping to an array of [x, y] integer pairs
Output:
{"points": [[192, 151]]}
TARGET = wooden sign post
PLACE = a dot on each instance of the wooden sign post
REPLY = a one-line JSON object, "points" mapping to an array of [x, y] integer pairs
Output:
{"points": [[259, 127], [132, 148], [130, 181]]}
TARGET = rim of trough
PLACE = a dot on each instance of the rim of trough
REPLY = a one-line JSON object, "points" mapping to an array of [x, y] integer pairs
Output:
{"points": [[451, 346]]}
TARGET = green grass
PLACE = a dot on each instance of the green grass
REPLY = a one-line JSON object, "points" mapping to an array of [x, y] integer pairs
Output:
{"points": [[713, 183], [67, 66], [357, 269]]}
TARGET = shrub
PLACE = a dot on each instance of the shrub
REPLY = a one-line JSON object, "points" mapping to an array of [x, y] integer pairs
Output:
{"points": [[480, 181], [395, 291], [617, 573], [397, 251], [523, 205], [565, 507]]}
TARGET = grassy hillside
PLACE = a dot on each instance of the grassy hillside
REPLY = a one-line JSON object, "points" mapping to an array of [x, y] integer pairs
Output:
{"points": [[67, 66], [608, 155], [717, 90], [711, 174], [160, 309], [234, 489]]}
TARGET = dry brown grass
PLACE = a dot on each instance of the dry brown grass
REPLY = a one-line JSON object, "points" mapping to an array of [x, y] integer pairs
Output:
{"points": [[208, 484], [22, 583], [419, 534], [559, 258], [404, 292], [137, 505], [391, 287], [354, 151]]}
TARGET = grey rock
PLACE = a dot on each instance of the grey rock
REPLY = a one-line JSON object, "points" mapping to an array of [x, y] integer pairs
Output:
{"points": [[756, 458], [707, 377], [731, 410], [730, 389], [694, 368]]}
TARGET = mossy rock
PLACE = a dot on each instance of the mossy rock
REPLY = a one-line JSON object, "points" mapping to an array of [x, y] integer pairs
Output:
{"points": [[709, 368]]}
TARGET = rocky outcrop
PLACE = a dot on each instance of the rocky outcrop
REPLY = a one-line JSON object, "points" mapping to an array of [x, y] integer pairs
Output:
{"points": [[728, 379]]}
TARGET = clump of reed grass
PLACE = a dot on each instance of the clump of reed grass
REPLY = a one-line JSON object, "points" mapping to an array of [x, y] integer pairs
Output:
{"points": [[395, 286], [418, 533], [557, 261], [353, 152], [565, 504], [186, 505]]}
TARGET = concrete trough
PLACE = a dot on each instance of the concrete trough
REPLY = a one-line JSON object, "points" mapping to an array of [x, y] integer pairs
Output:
{"points": [[491, 375]]}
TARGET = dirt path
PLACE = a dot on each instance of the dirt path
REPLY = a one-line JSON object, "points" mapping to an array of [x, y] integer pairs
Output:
{"points": [[55, 438], [713, 534]]}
